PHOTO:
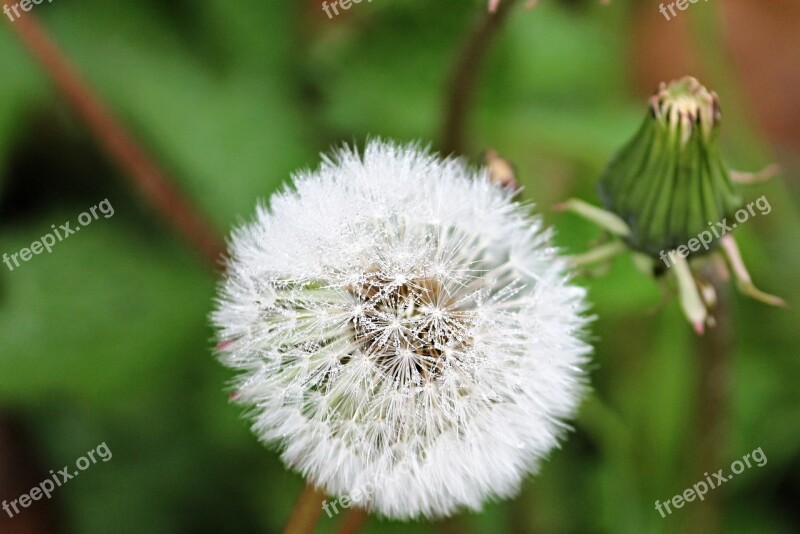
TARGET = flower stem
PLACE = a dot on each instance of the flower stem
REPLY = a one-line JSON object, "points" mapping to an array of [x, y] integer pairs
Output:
{"points": [[120, 146], [353, 521], [599, 254], [715, 361], [306, 512], [464, 80]]}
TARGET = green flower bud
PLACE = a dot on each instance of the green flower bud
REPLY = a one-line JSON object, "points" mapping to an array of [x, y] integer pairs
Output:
{"points": [[670, 182]]}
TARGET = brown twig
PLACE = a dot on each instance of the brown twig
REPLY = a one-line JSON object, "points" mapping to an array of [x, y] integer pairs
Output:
{"points": [[112, 136], [306, 512], [464, 81], [353, 521]]}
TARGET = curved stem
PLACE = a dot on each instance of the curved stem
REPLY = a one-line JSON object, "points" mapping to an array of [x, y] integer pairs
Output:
{"points": [[112, 136], [306, 512], [464, 81]]}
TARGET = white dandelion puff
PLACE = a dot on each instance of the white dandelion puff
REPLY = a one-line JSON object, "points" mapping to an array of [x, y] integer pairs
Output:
{"points": [[398, 323]]}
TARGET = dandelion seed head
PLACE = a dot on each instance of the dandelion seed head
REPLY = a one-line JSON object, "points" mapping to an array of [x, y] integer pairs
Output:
{"points": [[401, 329]]}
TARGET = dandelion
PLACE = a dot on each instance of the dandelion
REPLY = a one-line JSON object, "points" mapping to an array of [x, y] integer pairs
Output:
{"points": [[399, 323], [669, 187]]}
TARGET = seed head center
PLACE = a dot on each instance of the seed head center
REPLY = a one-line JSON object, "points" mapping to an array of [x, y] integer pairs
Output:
{"points": [[409, 328]]}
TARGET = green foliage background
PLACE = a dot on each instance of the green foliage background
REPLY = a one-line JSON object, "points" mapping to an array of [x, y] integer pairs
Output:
{"points": [[107, 338]]}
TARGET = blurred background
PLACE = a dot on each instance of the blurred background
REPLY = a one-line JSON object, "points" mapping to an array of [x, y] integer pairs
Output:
{"points": [[107, 338]]}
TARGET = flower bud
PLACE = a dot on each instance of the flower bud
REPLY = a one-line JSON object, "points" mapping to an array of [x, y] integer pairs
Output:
{"points": [[669, 183]]}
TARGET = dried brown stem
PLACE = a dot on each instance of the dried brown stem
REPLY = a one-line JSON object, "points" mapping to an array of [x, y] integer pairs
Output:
{"points": [[112, 136], [715, 361], [464, 81], [306, 512], [354, 521]]}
